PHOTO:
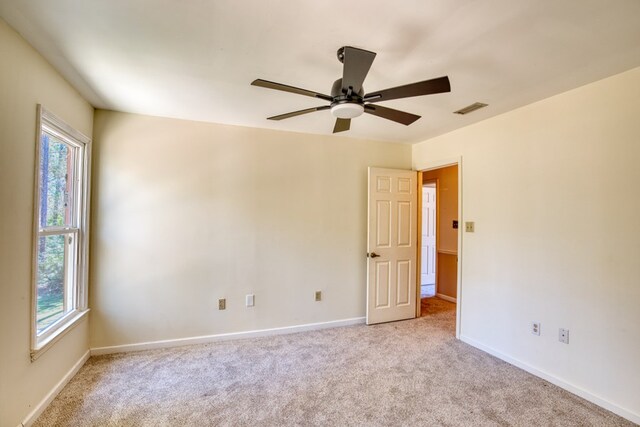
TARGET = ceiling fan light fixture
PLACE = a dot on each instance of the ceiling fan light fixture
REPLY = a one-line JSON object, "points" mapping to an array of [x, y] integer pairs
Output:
{"points": [[347, 110]]}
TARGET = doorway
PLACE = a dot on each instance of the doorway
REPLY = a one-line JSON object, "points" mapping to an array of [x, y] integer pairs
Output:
{"points": [[439, 238], [428, 244]]}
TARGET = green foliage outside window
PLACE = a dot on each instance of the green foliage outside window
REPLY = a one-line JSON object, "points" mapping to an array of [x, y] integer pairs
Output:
{"points": [[54, 211]]}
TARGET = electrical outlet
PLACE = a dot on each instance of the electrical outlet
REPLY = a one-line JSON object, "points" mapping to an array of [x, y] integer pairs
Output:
{"points": [[535, 328], [250, 300], [318, 295], [470, 226], [222, 304], [563, 335]]}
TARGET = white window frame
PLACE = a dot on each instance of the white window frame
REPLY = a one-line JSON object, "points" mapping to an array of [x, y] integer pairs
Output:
{"points": [[51, 124]]}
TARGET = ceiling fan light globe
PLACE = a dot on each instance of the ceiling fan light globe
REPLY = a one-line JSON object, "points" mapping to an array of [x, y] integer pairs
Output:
{"points": [[347, 111]]}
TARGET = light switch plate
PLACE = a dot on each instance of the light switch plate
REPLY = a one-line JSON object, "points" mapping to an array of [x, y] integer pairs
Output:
{"points": [[470, 226], [250, 300]]}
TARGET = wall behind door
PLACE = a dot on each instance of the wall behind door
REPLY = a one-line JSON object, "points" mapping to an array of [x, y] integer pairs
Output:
{"points": [[188, 212]]}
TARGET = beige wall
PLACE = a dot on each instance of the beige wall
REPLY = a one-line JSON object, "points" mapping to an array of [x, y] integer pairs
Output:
{"points": [[26, 80], [185, 213], [552, 188], [447, 205], [447, 282], [447, 211]]}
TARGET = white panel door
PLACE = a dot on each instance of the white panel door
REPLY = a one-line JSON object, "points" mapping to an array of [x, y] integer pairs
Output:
{"points": [[391, 245], [428, 264]]}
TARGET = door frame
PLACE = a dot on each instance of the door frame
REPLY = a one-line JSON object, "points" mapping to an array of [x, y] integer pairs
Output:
{"points": [[424, 167]]}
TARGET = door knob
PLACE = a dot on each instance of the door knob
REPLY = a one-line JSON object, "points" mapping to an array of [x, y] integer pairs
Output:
{"points": [[373, 255]]}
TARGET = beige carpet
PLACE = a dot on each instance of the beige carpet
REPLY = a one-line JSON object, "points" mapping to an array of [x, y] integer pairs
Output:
{"points": [[404, 373]]}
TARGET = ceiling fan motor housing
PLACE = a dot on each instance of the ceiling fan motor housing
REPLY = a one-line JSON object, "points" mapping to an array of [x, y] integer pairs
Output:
{"points": [[346, 105], [338, 93]]}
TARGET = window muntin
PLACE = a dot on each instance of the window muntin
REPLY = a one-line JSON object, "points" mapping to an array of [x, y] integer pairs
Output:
{"points": [[60, 251]]}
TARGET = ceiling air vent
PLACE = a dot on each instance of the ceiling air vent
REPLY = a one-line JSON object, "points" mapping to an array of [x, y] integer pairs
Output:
{"points": [[470, 108]]}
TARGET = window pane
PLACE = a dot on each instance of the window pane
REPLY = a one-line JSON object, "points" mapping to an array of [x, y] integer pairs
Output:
{"points": [[51, 292], [56, 182]]}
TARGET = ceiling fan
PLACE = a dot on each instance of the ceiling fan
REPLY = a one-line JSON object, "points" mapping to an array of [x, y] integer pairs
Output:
{"points": [[348, 99]]}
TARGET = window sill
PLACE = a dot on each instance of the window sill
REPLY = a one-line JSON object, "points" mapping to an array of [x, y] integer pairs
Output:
{"points": [[37, 351]]}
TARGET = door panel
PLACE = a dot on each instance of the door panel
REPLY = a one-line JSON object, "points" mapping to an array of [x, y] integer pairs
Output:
{"points": [[383, 184], [404, 223], [383, 282], [404, 185], [403, 282], [392, 232], [428, 266], [383, 223]]}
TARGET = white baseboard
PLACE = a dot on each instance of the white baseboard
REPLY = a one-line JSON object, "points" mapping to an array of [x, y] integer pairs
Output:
{"points": [[633, 417], [224, 337], [447, 298], [40, 407]]}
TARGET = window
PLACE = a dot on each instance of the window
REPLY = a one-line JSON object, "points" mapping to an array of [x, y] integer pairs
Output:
{"points": [[60, 248]]}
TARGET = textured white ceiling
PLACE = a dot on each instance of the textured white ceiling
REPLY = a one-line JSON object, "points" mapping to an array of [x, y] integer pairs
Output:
{"points": [[196, 59]]}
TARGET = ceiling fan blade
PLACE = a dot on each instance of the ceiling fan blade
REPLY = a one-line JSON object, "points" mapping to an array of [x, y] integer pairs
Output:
{"points": [[285, 88], [342, 125], [427, 87], [391, 114], [298, 113], [357, 63]]}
